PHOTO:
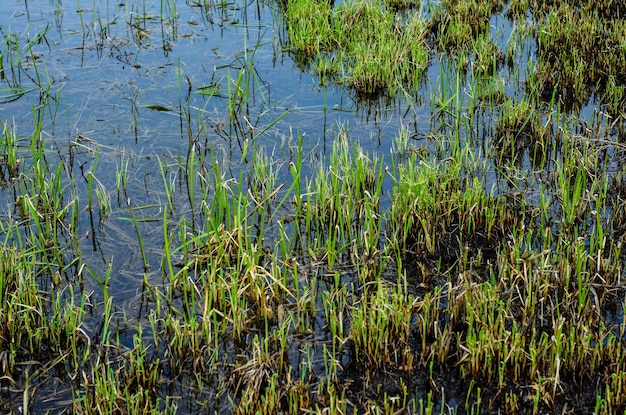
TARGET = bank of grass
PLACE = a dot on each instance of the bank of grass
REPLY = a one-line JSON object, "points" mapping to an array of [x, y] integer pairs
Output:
{"points": [[520, 317], [309, 296]]}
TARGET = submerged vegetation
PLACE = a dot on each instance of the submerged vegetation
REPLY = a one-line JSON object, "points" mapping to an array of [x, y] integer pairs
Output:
{"points": [[470, 262]]}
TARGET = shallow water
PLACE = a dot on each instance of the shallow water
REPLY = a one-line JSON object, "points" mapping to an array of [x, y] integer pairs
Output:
{"points": [[134, 85], [125, 81]]}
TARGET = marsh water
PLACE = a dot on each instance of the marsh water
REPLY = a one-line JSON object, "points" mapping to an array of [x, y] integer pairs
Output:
{"points": [[135, 82], [123, 91], [128, 87]]}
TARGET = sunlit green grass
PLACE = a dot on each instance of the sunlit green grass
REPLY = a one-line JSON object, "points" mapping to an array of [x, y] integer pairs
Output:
{"points": [[365, 45]]}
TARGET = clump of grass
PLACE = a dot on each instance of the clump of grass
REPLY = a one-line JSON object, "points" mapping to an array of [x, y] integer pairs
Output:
{"points": [[491, 94], [310, 26], [614, 96], [374, 48], [376, 63], [33, 321], [380, 329], [129, 385], [487, 56], [343, 207], [8, 156], [457, 24], [327, 69], [435, 215], [570, 65], [518, 127], [22, 330]]}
